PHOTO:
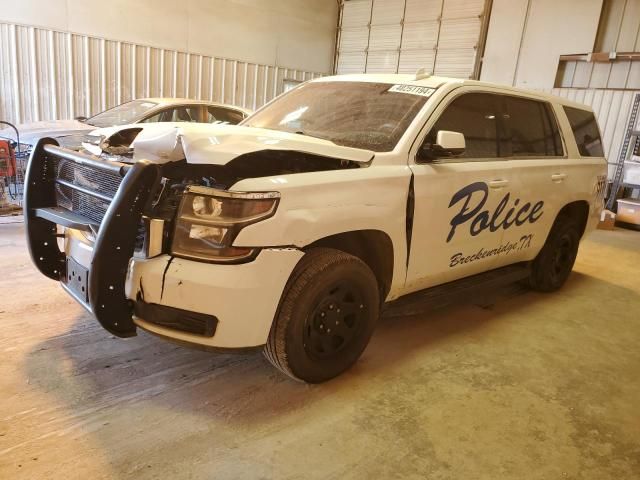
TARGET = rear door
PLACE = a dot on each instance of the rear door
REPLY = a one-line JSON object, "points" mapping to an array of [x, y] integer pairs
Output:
{"points": [[541, 172]]}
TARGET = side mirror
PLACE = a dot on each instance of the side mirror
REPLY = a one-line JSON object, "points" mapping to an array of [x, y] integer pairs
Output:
{"points": [[448, 144], [82, 119]]}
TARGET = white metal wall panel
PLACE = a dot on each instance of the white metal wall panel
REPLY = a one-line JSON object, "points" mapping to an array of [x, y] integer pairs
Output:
{"points": [[387, 12], [351, 62], [412, 60], [47, 75], [384, 37], [382, 62], [420, 36], [440, 35], [419, 41], [354, 39], [459, 36], [356, 13], [355, 19], [456, 62], [459, 33], [462, 8], [423, 10]]}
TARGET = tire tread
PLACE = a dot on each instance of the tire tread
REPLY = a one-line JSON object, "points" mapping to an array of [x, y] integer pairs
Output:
{"points": [[314, 262]]}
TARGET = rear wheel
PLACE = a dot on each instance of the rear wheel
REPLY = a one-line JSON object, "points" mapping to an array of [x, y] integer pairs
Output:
{"points": [[554, 263], [326, 317]]}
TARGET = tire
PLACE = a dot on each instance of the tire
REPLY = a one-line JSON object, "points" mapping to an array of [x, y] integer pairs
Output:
{"points": [[552, 266], [328, 289]]}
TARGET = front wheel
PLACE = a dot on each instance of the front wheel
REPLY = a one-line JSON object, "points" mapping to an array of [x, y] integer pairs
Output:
{"points": [[326, 316], [554, 263]]}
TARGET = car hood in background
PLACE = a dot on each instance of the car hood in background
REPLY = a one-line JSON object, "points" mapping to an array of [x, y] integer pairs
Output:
{"points": [[30, 133], [219, 144]]}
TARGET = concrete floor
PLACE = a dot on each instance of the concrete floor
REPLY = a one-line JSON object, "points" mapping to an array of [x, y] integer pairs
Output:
{"points": [[536, 386]]}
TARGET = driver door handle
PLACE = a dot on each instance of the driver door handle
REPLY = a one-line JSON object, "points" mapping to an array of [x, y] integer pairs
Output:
{"points": [[558, 177], [496, 184]]}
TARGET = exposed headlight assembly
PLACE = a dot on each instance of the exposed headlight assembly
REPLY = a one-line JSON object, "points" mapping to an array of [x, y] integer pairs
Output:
{"points": [[209, 220]]}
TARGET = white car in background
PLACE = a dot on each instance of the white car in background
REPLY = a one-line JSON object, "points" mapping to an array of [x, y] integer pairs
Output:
{"points": [[70, 133]]}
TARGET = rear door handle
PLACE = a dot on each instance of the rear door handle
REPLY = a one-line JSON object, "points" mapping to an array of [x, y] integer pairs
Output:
{"points": [[558, 177], [498, 183]]}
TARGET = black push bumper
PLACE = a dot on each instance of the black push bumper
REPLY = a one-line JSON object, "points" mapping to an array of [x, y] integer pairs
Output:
{"points": [[104, 293]]}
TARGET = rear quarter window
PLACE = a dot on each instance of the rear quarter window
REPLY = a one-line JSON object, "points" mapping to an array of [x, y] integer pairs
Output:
{"points": [[585, 130], [532, 128]]}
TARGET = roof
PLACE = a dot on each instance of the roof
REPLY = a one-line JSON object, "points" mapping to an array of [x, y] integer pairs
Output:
{"points": [[189, 101], [434, 81]]}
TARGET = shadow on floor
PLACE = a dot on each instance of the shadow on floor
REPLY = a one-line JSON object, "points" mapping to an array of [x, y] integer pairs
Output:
{"points": [[88, 367]]}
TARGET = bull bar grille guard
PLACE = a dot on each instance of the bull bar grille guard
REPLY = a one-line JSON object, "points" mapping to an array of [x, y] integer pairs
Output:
{"points": [[112, 250]]}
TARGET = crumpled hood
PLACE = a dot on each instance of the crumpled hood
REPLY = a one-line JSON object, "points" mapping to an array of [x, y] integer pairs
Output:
{"points": [[30, 133], [219, 144]]}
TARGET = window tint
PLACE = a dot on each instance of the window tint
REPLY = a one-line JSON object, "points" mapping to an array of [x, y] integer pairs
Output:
{"points": [[585, 129], [475, 116], [224, 115], [532, 128], [180, 113]]}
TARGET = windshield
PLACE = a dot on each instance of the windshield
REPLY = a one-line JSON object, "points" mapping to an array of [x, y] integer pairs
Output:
{"points": [[130, 112], [366, 115]]}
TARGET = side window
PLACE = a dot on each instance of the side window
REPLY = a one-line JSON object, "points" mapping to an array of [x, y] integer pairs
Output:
{"points": [[533, 128], [585, 129], [475, 116], [181, 113], [224, 115]]}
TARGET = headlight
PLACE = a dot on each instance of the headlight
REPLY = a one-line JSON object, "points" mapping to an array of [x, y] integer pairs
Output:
{"points": [[209, 220]]}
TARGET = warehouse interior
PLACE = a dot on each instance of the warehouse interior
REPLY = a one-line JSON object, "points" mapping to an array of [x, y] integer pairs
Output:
{"points": [[508, 384]]}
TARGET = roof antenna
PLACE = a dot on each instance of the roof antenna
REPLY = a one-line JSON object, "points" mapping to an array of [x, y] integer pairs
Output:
{"points": [[422, 73]]}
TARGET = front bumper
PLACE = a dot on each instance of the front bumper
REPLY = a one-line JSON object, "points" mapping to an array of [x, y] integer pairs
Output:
{"points": [[243, 298], [104, 281]]}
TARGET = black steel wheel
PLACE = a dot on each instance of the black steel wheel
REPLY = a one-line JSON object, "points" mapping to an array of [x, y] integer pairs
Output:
{"points": [[335, 322], [552, 266], [326, 316]]}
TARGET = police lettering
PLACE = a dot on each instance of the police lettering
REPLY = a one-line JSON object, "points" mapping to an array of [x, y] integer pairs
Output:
{"points": [[504, 216]]}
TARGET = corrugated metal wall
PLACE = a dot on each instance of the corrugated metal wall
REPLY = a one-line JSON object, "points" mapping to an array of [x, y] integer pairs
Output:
{"points": [[390, 36], [46, 74], [617, 75], [612, 109]]}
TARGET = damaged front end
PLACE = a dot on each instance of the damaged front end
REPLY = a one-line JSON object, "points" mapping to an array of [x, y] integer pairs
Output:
{"points": [[136, 209]]}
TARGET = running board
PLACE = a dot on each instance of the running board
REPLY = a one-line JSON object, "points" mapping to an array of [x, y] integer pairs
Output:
{"points": [[457, 292]]}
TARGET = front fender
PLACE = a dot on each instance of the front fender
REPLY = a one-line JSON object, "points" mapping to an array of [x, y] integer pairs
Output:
{"points": [[320, 204]]}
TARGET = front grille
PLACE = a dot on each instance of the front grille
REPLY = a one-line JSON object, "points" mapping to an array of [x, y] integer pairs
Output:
{"points": [[87, 186], [104, 184]]}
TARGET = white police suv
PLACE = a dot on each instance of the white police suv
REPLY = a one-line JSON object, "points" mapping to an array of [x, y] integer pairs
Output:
{"points": [[292, 231]]}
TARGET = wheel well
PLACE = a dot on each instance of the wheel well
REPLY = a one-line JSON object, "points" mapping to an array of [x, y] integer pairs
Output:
{"points": [[373, 247], [578, 211]]}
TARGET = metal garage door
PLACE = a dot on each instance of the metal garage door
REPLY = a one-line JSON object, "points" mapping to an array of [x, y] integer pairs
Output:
{"points": [[389, 36]]}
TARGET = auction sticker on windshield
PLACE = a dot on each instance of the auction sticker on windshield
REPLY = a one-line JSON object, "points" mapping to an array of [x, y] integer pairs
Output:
{"points": [[413, 90]]}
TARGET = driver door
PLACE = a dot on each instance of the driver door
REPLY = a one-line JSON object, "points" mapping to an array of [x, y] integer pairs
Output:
{"points": [[457, 197]]}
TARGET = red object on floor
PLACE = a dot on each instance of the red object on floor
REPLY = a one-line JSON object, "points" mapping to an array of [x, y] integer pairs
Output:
{"points": [[7, 159]]}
